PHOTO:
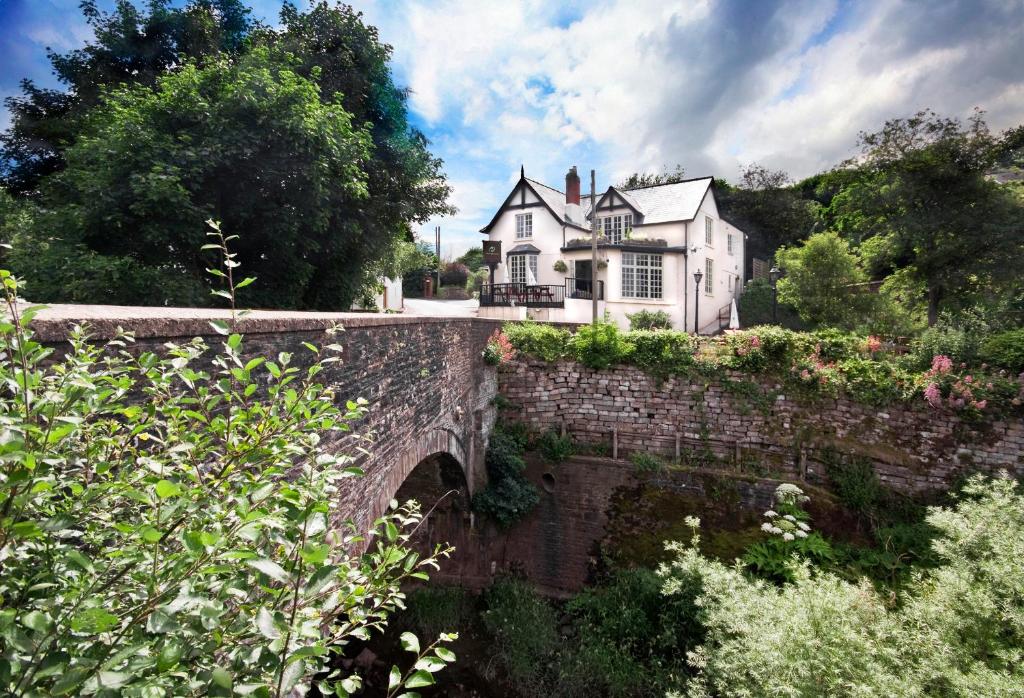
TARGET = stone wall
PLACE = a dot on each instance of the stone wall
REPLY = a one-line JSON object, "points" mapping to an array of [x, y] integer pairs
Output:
{"points": [[424, 377], [763, 431]]}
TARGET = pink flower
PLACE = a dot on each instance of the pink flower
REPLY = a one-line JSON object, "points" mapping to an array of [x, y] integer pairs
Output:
{"points": [[932, 395], [805, 374], [968, 379], [942, 364], [981, 404], [755, 341], [874, 344]]}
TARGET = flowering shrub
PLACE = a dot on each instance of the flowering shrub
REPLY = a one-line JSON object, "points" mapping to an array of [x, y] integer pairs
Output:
{"points": [[790, 538], [950, 387], [499, 349]]}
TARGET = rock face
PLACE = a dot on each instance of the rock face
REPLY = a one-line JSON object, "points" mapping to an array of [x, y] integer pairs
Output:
{"points": [[750, 423]]}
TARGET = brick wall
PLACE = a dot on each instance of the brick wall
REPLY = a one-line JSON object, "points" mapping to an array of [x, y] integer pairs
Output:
{"points": [[912, 447], [428, 388]]}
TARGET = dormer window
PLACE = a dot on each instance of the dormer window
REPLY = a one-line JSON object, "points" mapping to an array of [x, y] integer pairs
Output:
{"points": [[615, 228], [524, 225]]}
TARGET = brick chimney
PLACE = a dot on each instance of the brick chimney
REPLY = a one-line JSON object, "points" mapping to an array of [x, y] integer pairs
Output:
{"points": [[572, 187]]}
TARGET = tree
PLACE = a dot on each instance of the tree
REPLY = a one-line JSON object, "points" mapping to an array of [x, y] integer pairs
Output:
{"points": [[638, 180], [131, 47], [922, 193], [824, 282], [767, 209], [248, 143], [473, 258]]}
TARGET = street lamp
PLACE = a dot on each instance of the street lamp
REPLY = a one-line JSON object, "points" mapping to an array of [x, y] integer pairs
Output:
{"points": [[697, 276], [774, 274]]}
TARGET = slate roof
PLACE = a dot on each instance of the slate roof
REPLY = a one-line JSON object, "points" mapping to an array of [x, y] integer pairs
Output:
{"points": [[525, 248]]}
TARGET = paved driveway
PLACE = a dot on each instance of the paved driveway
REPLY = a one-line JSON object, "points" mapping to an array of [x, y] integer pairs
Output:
{"points": [[422, 306]]}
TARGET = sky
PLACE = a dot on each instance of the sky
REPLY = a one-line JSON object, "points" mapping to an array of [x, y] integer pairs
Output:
{"points": [[621, 86]]}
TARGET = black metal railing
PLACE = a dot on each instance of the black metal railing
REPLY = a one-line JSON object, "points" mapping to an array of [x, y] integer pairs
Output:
{"points": [[583, 288], [529, 295]]}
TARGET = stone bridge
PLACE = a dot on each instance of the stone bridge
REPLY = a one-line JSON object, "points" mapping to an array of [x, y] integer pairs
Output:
{"points": [[430, 394]]}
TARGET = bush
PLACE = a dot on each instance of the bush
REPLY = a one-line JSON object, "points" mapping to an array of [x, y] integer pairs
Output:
{"points": [[555, 448], [476, 280], [541, 341], [431, 610], [1005, 350], [524, 628], [170, 523], [876, 383], [650, 320], [646, 462], [957, 336], [509, 496], [454, 274], [600, 346], [834, 345], [662, 353], [755, 307]]}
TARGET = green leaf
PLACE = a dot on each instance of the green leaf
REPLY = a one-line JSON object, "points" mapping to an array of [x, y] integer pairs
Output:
{"points": [[220, 326], [222, 677], [245, 282], [235, 341], [410, 643], [269, 568], [93, 621], [419, 679], [394, 678], [79, 560], [445, 654], [165, 489], [37, 620], [266, 624], [150, 534]]}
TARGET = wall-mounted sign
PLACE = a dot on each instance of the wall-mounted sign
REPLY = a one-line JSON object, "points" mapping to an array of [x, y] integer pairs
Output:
{"points": [[492, 252]]}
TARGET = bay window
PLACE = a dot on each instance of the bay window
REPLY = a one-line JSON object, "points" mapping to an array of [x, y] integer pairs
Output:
{"points": [[641, 275]]}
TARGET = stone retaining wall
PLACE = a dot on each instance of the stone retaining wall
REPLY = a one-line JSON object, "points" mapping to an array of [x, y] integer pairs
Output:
{"points": [[912, 447]]}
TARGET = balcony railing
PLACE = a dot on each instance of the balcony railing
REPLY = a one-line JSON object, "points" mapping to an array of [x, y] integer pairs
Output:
{"points": [[529, 295], [583, 288]]}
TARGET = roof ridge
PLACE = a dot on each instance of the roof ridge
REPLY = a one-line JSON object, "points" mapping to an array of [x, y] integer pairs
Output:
{"points": [[546, 186], [666, 184]]}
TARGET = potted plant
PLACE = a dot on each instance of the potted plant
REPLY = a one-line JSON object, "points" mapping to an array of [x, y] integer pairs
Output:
{"points": [[561, 267]]}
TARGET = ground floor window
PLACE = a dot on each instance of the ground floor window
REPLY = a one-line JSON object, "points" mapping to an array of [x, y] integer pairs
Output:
{"points": [[517, 266], [641, 275]]}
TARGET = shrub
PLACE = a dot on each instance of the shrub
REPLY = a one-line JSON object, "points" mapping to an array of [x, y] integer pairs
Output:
{"points": [[498, 350], [646, 462], [755, 307], [434, 609], [169, 522], [524, 628], [476, 280], [834, 345], [454, 274], [509, 496], [600, 346], [957, 336], [1005, 350], [544, 342], [876, 383], [650, 320], [662, 353], [555, 448]]}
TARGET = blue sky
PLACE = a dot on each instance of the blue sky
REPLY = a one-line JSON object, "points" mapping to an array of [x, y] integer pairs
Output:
{"points": [[627, 85]]}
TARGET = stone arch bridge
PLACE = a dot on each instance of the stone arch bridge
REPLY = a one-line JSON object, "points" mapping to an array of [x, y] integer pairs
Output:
{"points": [[431, 396]]}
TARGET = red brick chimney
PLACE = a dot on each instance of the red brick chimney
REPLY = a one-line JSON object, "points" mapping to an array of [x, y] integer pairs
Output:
{"points": [[572, 187]]}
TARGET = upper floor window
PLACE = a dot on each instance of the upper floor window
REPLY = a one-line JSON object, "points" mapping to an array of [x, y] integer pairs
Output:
{"points": [[616, 228], [524, 225], [517, 268], [709, 273], [709, 231], [728, 243], [641, 275]]}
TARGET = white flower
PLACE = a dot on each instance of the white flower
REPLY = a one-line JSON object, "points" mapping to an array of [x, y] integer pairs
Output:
{"points": [[692, 521], [787, 536], [767, 527], [801, 534], [770, 514], [803, 526], [790, 517], [776, 530]]}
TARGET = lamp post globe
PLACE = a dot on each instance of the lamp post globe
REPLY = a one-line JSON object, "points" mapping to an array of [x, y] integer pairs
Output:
{"points": [[697, 276]]}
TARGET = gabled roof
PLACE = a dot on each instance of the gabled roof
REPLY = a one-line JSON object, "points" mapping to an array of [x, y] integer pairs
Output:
{"points": [[552, 199]]}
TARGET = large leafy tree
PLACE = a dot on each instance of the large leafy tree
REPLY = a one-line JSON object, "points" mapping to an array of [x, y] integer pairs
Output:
{"points": [[131, 46], [247, 142], [924, 204]]}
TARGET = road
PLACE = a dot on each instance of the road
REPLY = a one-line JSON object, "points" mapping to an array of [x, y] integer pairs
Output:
{"points": [[422, 306]]}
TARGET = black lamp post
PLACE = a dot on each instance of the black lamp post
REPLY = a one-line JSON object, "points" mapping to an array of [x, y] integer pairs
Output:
{"points": [[774, 274], [697, 276]]}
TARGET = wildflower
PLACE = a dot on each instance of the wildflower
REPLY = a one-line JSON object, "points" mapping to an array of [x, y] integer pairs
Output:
{"points": [[771, 514], [874, 344], [932, 395], [968, 379], [767, 527], [800, 534], [692, 521], [941, 364], [790, 517], [805, 374], [755, 341], [787, 536], [981, 404], [802, 526]]}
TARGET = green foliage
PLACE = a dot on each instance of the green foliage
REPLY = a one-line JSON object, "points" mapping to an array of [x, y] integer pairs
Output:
{"points": [[555, 448], [538, 340], [454, 274], [509, 496], [169, 524], [956, 631], [600, 346], [662, 353], [560, 266], [789, 541], [476, 280], [646, 462], [822, 281], [1004, 350], [958, 336], [524, 628], [650, 320], [473, 259], [755, 307], [433, 609], [638, 180]]}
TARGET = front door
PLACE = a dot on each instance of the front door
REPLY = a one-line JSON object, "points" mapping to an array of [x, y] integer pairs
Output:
{"points": [[581, 284]]}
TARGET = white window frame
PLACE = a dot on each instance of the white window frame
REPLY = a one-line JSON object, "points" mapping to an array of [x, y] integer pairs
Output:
{"points": [[709, 231], [728, 243], [642, 276], [616, 228], [524, 226], [709, 276], [517, 265]]}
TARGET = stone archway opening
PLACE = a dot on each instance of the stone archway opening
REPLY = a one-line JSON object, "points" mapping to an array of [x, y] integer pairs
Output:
{"points": [[439, 484]]}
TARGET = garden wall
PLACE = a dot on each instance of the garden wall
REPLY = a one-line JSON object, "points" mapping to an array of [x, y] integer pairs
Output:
{"points": [[750, 424]]}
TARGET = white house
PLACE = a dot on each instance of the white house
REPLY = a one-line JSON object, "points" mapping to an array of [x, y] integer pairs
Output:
{"points": [[651, 241]]}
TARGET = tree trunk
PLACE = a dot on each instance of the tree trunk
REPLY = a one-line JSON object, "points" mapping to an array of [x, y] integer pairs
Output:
{"points": [[934, 294]]}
